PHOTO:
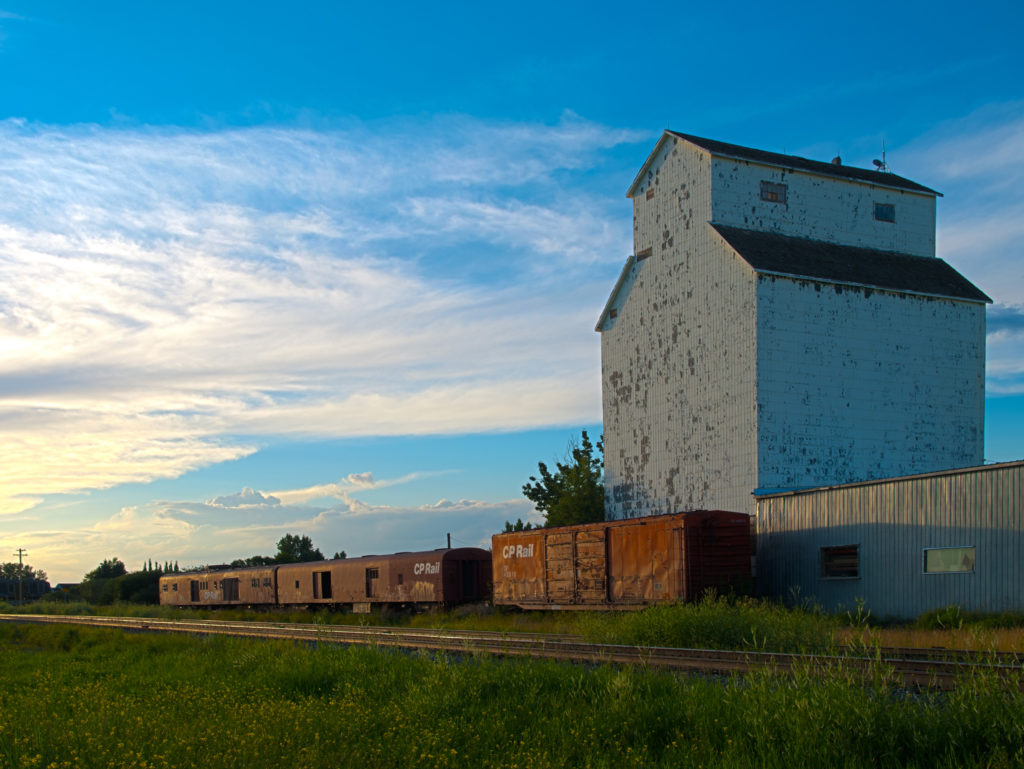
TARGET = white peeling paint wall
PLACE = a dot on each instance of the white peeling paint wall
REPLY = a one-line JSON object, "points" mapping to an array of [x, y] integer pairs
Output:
{"points": [[822, 208], [678, 360], [856, 384]]}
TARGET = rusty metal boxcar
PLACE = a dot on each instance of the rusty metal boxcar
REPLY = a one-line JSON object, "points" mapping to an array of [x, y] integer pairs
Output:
{"points": [[251, 586], [434, 576], [623, 564]]}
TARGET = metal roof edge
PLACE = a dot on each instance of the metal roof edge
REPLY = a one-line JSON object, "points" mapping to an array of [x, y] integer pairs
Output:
{"points": [[647, 163], [630, 261], [765, 493], [873, 287]]}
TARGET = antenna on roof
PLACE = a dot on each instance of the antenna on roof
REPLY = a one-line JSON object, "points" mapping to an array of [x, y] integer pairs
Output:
{"points": [[881, 164]]}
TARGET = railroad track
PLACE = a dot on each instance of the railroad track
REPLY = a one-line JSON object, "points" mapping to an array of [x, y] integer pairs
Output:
{"points": [[921, 668]]}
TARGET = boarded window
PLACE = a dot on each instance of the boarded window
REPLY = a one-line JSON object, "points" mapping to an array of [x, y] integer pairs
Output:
{"points": [[640, 255], [947, 560], [773, 193], [885, 212], [840, 562], [650, 193]]}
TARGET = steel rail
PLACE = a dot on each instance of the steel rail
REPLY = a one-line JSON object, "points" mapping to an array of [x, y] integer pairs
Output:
{"points": [[902, 667]]}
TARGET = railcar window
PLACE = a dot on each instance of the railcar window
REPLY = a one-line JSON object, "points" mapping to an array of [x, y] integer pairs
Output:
{"points": [[948, 560], [840, 562], [255, 583], [174, 588], [266, 582], [296, 584], [165, 587], [399, 579]]}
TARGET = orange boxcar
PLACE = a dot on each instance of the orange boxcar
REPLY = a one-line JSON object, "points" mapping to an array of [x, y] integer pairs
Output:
{"points": [[623, 564]]}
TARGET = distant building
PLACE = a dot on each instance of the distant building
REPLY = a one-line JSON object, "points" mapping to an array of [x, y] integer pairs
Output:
{"points": [[782, 323]]}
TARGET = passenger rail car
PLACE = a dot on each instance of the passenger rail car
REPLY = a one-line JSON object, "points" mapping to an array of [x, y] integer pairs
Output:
{"points": [[623, 564], [445, 576]]}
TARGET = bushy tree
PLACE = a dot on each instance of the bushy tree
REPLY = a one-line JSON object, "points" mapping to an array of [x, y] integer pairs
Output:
{"points": [[574, 492], [21, 571], [108, 569], [295, 549]]}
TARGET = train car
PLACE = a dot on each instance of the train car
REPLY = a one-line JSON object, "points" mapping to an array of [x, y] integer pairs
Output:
{"points": [[244, 586], [445, 576], [623, 564]]}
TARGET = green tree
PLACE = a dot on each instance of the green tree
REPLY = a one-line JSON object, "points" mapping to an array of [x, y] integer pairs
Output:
{"points": [[574, 492], [338, 556], [295, 549], [108, 569], [21, 570], [517, 526]]}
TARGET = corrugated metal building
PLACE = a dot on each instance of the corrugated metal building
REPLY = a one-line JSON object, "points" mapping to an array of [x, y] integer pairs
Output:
{"points": [[903, 545]]}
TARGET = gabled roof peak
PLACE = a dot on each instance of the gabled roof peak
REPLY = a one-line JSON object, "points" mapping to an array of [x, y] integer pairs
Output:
{"points": [[835, 170]]}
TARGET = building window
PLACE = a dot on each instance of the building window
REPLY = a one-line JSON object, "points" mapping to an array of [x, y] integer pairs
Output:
{"points": [[885, 212], [948, 560], [840, 562], [773, 193]]}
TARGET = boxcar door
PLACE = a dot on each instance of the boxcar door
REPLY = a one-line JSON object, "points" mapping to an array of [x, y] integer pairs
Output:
{"points": [[559, 568], [193, 590], [372, 577], [591, 566], [230, 587]]}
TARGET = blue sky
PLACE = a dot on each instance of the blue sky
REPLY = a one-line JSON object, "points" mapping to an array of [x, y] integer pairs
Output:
{"points": [[334, 269]]}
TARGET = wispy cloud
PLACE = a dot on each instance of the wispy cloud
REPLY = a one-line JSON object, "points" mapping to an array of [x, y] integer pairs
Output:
{"points": [[978, 163], [165, 289]]}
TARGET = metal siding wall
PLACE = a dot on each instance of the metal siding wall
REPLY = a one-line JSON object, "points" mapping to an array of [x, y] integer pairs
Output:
{"points": [[893, 522]]}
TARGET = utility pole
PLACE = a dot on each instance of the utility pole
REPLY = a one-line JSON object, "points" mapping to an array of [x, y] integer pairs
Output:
{"points": [[21, 551]]}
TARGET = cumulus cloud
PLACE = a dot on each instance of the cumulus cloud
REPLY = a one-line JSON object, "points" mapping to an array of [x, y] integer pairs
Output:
{"points": [[169, 296], [245, 498], [240, 525]]}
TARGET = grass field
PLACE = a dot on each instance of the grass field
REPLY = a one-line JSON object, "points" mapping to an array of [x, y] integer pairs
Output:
{"points": [[733, 623], [80, 697]]}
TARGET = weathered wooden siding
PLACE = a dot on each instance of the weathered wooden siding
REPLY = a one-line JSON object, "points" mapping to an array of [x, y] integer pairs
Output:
{"points": [[893, 521]]}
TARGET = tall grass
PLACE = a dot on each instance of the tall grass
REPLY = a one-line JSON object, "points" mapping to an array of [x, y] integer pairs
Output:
{"points": [[98, 698], [717, 622]]}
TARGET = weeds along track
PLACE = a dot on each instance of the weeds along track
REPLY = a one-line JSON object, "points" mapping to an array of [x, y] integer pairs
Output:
{"points": [[921, 668]]}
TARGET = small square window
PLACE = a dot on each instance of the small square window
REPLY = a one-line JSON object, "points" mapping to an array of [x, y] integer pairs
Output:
{"points": [[255, 583], [840, 562], [773, 193], [885, 212], [266, 582], [165, 587], [174, 588], [948, 560]]}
